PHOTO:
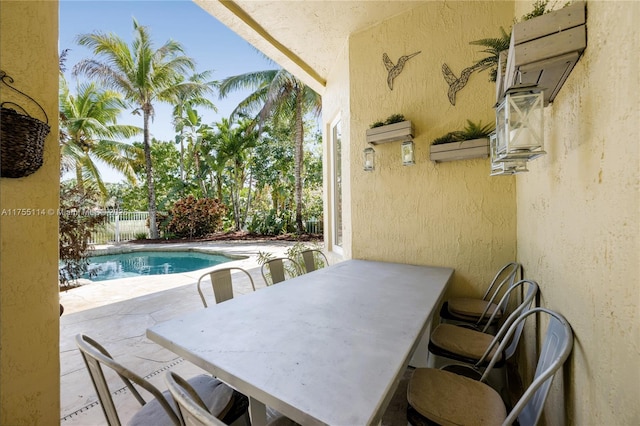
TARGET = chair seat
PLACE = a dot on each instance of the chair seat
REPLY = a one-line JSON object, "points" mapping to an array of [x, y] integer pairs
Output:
{"points": [[450, 399], [462, 343], [472, 308], [224, 402]]}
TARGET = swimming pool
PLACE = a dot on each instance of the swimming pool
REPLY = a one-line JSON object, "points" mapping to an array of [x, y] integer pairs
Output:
{"points": [[140, 263]]}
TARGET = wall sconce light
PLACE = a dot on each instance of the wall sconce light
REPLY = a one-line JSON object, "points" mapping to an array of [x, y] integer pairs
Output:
{"points": [[369, 159], [504, 166], [519, 124], [408, 158]]}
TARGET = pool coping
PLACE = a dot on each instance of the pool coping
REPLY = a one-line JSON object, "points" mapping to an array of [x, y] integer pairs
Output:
{"points": [[158, 248], [90, 294]]}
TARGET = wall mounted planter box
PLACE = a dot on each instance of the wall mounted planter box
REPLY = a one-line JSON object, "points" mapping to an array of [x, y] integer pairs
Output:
{"points": [[545, 49], [402, 131], [465, 150]]}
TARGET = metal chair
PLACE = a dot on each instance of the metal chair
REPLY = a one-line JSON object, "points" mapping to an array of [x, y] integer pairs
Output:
{"points": [[194, 411], [222, 284], [466, 310], [443, 397], [161, 410], [466, 346], [279, 269], [313, 259]]}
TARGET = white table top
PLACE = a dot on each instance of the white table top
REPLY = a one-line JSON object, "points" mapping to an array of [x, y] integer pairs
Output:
{"points": [[328, 347]]}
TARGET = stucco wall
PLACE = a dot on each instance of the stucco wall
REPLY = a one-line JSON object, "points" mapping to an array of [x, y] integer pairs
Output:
{"points": [[578, 221], [449, 214], [29, 300]]}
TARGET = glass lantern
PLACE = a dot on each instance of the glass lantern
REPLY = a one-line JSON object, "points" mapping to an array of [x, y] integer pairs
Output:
{"points": [[408, 158], [369, 159], [519, 124], [504, 166]]}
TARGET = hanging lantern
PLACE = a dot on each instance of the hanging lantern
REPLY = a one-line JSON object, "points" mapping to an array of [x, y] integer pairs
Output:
{"points": [[519, 124]]}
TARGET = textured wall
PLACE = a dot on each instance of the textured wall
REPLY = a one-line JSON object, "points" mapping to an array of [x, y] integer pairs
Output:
{"points": [[578, 221], [29, 313], [450, 214]]}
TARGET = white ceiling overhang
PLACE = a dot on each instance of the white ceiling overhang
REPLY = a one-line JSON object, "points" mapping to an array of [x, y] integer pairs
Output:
{"points": [[302, 36]]}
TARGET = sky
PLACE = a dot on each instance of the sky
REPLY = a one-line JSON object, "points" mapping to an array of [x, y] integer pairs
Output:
{"points": [[212, 45]]}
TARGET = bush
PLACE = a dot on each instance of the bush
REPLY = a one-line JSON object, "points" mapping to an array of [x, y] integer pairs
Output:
{"points": [[272, 223], [77, 221], [191, 217]]}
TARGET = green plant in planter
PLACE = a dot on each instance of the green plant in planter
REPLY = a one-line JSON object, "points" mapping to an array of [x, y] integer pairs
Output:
{"points": [[496, 45], [471, 131], [394, 118], [493, 48], [476, 130]]}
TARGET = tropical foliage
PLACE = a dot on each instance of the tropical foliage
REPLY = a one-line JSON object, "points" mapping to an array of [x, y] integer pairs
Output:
{"points": [[76, 226], [191, 217], [278, 95], [89, 132], [144, 75], [258, 170]]}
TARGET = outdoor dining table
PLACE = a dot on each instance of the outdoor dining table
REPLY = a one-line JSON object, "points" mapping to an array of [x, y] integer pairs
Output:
{"points": [[327, 347]]}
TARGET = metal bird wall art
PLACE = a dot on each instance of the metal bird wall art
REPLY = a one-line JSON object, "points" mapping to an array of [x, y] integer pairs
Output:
{"points": [[455, 83], [395, 70]]}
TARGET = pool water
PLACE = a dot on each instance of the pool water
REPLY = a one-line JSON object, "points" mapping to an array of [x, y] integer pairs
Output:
{"points": [[126, 265]]}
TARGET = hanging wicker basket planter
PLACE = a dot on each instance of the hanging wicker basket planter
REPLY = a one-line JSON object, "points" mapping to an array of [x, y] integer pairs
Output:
{"points": [[21, 137]]}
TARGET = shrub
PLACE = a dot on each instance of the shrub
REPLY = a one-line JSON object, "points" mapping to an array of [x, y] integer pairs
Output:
{"points": [[77, 220], [272, 223], [191, 217]]}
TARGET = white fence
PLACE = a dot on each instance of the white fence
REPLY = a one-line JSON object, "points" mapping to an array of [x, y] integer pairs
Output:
{"points": [[313, 226], [121, 226], [124, 226]]}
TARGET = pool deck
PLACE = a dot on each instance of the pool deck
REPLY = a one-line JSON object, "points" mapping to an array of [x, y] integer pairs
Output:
{"points": [[117, 313]]}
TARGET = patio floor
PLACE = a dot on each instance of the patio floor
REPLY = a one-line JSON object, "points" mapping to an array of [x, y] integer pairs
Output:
{"points": [[117, 313]]}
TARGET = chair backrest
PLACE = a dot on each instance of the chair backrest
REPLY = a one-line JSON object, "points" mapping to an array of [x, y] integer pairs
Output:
{"points": [[278, 269], [95, 356], [555, 350], [222, 284], [531, 289], [505, 278], [193, 410], [529, 293], [313, 259]]}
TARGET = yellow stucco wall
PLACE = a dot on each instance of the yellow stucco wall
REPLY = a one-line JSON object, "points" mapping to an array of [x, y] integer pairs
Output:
{"points": [[578, 221], [449, 214], [29, 312]]}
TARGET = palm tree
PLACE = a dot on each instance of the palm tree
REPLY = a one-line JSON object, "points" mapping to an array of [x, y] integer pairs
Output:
{"points": [[144, 76], [278, 93], [88, 129], [183, 110], [232, 148]]}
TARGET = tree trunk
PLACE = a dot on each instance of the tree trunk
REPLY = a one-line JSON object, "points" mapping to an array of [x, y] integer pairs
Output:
{"points": [[298, 158], [182, 174], [246, 210], [153, 226], [79, 181], [219, 187]]}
